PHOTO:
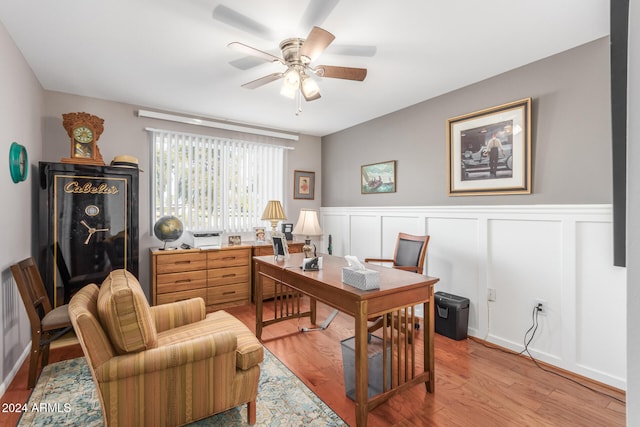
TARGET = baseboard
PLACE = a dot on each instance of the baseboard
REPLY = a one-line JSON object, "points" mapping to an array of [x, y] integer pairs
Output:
{"points": [[14, 371]]}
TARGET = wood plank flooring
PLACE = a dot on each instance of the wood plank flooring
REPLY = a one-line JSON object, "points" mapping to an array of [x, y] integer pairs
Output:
{"points": [[475, 385]]}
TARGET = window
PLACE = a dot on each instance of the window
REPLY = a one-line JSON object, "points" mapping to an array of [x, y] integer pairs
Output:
{"points": [[214, 183]]}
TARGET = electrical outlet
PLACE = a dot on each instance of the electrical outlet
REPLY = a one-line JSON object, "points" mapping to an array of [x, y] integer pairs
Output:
{"points": [[543, 307], [491, 294]]}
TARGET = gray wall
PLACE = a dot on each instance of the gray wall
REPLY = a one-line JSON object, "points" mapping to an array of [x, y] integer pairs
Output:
{"points": [[20, 113], [570, 137]]}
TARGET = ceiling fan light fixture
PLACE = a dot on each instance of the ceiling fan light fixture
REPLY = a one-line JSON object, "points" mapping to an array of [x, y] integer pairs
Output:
{"points": [[291, 83], [309, 88]]}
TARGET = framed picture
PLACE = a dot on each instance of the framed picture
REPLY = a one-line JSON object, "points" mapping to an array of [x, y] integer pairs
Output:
{"points": [[235, 240], [280, 248], [260, 234], [378, 178], [489, 151], [304, 185]]}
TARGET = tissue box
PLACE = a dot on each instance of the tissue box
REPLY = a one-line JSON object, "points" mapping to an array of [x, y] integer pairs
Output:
{"points": [[361, 279]]}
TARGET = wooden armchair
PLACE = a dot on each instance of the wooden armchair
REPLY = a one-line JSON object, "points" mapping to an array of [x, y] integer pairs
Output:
{"points": [[165, 365], [409, 255], [47, 323]]}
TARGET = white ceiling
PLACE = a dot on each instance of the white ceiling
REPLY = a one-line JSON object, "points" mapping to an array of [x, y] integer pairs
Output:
{"points": [[172, 55]]}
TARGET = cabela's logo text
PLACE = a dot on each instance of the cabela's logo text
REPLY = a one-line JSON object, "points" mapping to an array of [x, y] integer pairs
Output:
{"points": [[88, 188]]}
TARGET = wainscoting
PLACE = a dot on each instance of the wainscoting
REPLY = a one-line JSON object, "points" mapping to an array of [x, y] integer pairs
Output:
{"points": [[560, 254]]}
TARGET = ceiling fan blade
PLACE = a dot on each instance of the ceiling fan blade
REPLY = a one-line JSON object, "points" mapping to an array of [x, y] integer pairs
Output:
{"points": [[317, 12], [262, 81], [236, 19], [347, 73], [316, 42], [241, 47]]}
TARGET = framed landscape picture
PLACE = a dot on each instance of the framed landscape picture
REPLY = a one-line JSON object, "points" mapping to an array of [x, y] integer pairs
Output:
{"points": [[489, 151], [304, 185], [378, 178]]}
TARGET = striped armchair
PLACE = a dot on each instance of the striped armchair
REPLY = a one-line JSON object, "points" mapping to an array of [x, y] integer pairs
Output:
{"points": [[165, 365]]}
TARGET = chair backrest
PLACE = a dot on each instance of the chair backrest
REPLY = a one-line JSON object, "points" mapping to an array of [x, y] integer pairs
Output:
{"points": [[31, 288], [411, 251]]}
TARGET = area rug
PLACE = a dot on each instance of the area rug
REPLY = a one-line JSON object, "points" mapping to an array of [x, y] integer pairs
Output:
{"points": [[65, 395]]}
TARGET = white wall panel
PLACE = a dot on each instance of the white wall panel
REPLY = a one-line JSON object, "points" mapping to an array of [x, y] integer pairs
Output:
{"points": [[600, 300], [561, 254], [454, 258], [524, 264], [365, 235]]}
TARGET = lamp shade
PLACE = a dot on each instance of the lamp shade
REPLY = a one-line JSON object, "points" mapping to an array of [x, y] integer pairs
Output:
{"points": [[273, 211], [308, 224]]}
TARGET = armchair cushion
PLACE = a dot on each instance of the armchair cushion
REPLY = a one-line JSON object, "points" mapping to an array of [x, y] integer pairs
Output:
{"points": [[125, 314]]}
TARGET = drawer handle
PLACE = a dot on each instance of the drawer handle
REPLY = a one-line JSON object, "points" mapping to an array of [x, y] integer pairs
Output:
{"points": [[229, 275], [183, 281], [228, 258], [184, 262], [229, 293]]}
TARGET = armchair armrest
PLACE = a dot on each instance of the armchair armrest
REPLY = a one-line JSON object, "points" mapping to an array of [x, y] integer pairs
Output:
{"points": [[167, 357], [179, 313]]}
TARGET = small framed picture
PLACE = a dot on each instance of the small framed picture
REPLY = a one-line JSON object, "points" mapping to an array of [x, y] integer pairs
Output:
{"points": [[260, 234], [304, 185], [235, 240], [280, 248], [287, 229], [378, 178]]}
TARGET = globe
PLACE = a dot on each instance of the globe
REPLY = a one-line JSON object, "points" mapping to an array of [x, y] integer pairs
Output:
{"points": [[168, 229]]}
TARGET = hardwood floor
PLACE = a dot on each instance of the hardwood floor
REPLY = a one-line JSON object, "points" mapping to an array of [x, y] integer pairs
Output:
{"points": [[475, 385]]}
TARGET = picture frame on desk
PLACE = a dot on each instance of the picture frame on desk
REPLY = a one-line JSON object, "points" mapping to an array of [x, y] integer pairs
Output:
{"points": [[260, 234], [280, 248], [235, 240]]}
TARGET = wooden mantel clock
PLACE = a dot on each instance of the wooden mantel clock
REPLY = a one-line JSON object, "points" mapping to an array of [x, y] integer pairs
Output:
{"points": [[84, 129]]}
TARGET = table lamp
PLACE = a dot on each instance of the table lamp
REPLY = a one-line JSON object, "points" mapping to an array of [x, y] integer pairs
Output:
{"points": [[274, 213], [308, 226]]}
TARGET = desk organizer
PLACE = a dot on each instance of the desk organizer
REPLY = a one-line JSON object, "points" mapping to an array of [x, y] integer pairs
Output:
{"points": [[361, 279]]}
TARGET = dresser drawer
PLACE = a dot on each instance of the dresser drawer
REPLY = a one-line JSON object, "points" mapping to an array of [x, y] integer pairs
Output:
{"points": [[171, 282], [225, 276], [228, 258], [181, 262], [227, 293], [182, 295]]}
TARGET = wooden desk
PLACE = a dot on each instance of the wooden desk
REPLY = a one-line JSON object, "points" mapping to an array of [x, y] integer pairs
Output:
{"points": [[399, 292]]}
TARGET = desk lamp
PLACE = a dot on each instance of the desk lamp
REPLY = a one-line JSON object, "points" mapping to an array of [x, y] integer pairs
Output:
{"points": [[308, 226], [274, 213]]}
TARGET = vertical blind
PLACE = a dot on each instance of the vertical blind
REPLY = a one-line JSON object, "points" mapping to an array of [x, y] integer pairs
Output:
{"points": [[214, 183]]}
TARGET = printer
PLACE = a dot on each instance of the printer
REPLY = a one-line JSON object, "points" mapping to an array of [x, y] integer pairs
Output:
{"points": [[204, 239]]}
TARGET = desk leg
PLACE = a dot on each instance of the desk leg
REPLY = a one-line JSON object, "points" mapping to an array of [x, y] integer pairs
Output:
{"points": [[312, 309], [361, 365], [429, 330], [258, 302]]}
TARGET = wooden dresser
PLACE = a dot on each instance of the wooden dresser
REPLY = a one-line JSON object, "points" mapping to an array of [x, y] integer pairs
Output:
{"points": [[221, 277]]}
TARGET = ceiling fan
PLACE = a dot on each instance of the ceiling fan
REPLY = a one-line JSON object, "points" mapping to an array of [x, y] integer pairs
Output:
{"points": [[297, 54]]}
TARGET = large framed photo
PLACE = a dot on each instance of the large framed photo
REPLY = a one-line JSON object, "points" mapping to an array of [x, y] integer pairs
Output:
{"points": [[304, 185], [378, 178], [489, 151]]}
